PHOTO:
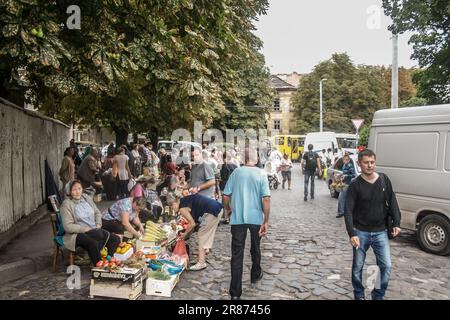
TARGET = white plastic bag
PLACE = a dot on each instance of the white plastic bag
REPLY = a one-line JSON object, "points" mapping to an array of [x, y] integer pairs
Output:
{"points": [[131, 184]]}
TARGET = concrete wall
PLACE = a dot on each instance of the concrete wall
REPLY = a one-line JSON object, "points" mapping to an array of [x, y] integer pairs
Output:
{"points": [[27, 139]]}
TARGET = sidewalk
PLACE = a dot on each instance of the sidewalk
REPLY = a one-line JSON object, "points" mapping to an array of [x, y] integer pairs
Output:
{"points": [[32, 251]]}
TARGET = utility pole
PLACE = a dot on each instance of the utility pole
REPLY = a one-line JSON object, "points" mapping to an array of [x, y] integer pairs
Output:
{"points": [[394, 86], [321, 106]]}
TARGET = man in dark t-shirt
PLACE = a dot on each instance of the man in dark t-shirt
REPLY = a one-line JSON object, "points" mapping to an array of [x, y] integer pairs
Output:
{"points": [[370, 207], [202, 210], [310, 163]]}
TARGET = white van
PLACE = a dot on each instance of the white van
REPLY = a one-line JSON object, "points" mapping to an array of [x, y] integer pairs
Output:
{"points": [[169, 145], [321, 140], [413, 148]]}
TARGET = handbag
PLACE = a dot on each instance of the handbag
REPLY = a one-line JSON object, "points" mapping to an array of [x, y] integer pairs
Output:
{"points": [[389, 219]]}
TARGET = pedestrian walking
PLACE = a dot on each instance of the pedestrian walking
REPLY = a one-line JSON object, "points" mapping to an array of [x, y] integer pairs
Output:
{"points": [[89, 168], [67, 170], [225, 172], [247, 204], [202, 176], [310, 163], [372, 216], [124, 173], [136, 165], [348, 172], [286, 168]]}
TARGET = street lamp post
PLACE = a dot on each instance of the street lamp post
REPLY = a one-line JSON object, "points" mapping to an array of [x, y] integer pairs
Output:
{"points": [[321, 106]]}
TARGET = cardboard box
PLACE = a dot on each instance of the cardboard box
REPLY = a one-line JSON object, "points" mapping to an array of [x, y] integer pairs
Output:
{"points": [[161, 288], [140, 244]]}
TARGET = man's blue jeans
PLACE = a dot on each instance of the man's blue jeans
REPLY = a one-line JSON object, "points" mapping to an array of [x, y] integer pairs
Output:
{"points": [[309, 174], [341, 200], [379, 242]]}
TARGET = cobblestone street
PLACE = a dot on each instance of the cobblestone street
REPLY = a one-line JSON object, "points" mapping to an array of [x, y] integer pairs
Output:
{"points": [[305, 256]]}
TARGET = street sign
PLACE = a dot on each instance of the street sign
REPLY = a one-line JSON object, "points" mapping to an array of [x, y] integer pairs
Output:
{"points": [[357, 123]]}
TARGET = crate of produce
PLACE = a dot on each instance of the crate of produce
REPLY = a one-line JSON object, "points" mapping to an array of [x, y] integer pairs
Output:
{"points": [[160, 287]]}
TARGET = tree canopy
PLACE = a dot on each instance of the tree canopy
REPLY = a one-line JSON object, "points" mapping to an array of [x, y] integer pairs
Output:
{"points": [[135, 65], [350, 92]]}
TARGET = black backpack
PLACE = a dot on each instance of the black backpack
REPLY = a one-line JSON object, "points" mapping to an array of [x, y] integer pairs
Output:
{"points": [[311, 162]]}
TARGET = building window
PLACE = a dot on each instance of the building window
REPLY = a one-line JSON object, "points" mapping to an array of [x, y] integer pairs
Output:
{"points": [[276, 124], [276, 104]]}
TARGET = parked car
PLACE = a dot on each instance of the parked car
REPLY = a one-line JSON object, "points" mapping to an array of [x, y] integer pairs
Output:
{"points": [[334, 174], [413, 148]]}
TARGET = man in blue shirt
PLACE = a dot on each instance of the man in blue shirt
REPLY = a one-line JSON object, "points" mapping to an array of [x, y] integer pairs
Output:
{"points": [[247, 202]]}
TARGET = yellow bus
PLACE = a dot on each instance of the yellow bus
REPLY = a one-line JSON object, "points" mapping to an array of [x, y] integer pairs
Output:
{"points": [[291, 144]]}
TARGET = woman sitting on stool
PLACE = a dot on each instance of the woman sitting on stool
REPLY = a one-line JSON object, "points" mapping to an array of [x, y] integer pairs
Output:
{"points": [[82, 222]]}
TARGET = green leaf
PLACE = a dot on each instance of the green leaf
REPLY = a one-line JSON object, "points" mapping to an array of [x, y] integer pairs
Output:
{"points": [[13, 7], [10, 30]]}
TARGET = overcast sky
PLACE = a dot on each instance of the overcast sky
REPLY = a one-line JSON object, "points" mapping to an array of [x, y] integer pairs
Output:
{"points": [[298, 34]]}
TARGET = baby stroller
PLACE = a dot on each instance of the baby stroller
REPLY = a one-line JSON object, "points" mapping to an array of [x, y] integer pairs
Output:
{"points": [[272, 175]]}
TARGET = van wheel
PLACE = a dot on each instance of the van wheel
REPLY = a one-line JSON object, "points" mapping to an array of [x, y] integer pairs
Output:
{"points": [[434, 235]]}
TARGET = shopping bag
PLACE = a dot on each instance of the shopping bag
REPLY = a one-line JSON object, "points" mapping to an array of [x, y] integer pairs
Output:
{"points": [[131, 184], [181, 250]]}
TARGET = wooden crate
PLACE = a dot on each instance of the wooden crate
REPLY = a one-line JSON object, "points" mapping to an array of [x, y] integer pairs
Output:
{"points": [[115, 289], [122, 285]]}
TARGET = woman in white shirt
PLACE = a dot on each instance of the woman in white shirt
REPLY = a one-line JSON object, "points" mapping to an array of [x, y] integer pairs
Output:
{"points": [[286, 168], [124, 174]]}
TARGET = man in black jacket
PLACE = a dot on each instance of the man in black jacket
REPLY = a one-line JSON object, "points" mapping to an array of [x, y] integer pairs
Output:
{"points": [[369, 204]]}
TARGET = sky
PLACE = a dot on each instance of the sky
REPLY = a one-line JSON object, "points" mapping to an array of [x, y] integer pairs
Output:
{"points": [[298, 34]]}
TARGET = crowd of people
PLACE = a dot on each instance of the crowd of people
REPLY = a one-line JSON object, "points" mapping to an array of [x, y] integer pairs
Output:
{"points": [[193, 189]]}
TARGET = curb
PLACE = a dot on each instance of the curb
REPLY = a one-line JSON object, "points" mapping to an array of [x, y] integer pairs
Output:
{"points": [[24, 267]]}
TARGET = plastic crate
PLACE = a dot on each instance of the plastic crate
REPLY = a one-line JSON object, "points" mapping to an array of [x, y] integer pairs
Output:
{"points": [[161, 288]]}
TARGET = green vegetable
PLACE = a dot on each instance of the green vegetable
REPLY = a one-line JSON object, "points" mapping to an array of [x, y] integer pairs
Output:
{"points": [[157, 275]]}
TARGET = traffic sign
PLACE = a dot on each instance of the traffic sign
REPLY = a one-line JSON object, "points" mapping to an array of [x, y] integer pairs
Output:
{"points": [[357, 123]]}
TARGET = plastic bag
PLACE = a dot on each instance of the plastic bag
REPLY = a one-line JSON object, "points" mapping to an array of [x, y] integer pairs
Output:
{"points": [[131, 184], [181, 250]]}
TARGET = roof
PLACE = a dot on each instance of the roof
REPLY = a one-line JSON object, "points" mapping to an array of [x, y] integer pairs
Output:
{"points": [[279, 84], [413, 115]]}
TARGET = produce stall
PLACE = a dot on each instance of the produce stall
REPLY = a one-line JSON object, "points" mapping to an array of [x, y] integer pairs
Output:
{"points": [[157, 260]]}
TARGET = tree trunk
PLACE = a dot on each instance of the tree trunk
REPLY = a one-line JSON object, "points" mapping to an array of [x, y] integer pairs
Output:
{"points": [[121, 135]]}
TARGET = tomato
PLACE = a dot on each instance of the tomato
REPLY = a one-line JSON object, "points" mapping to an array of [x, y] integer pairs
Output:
{"points": [[99, 264], [105, 263]]}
